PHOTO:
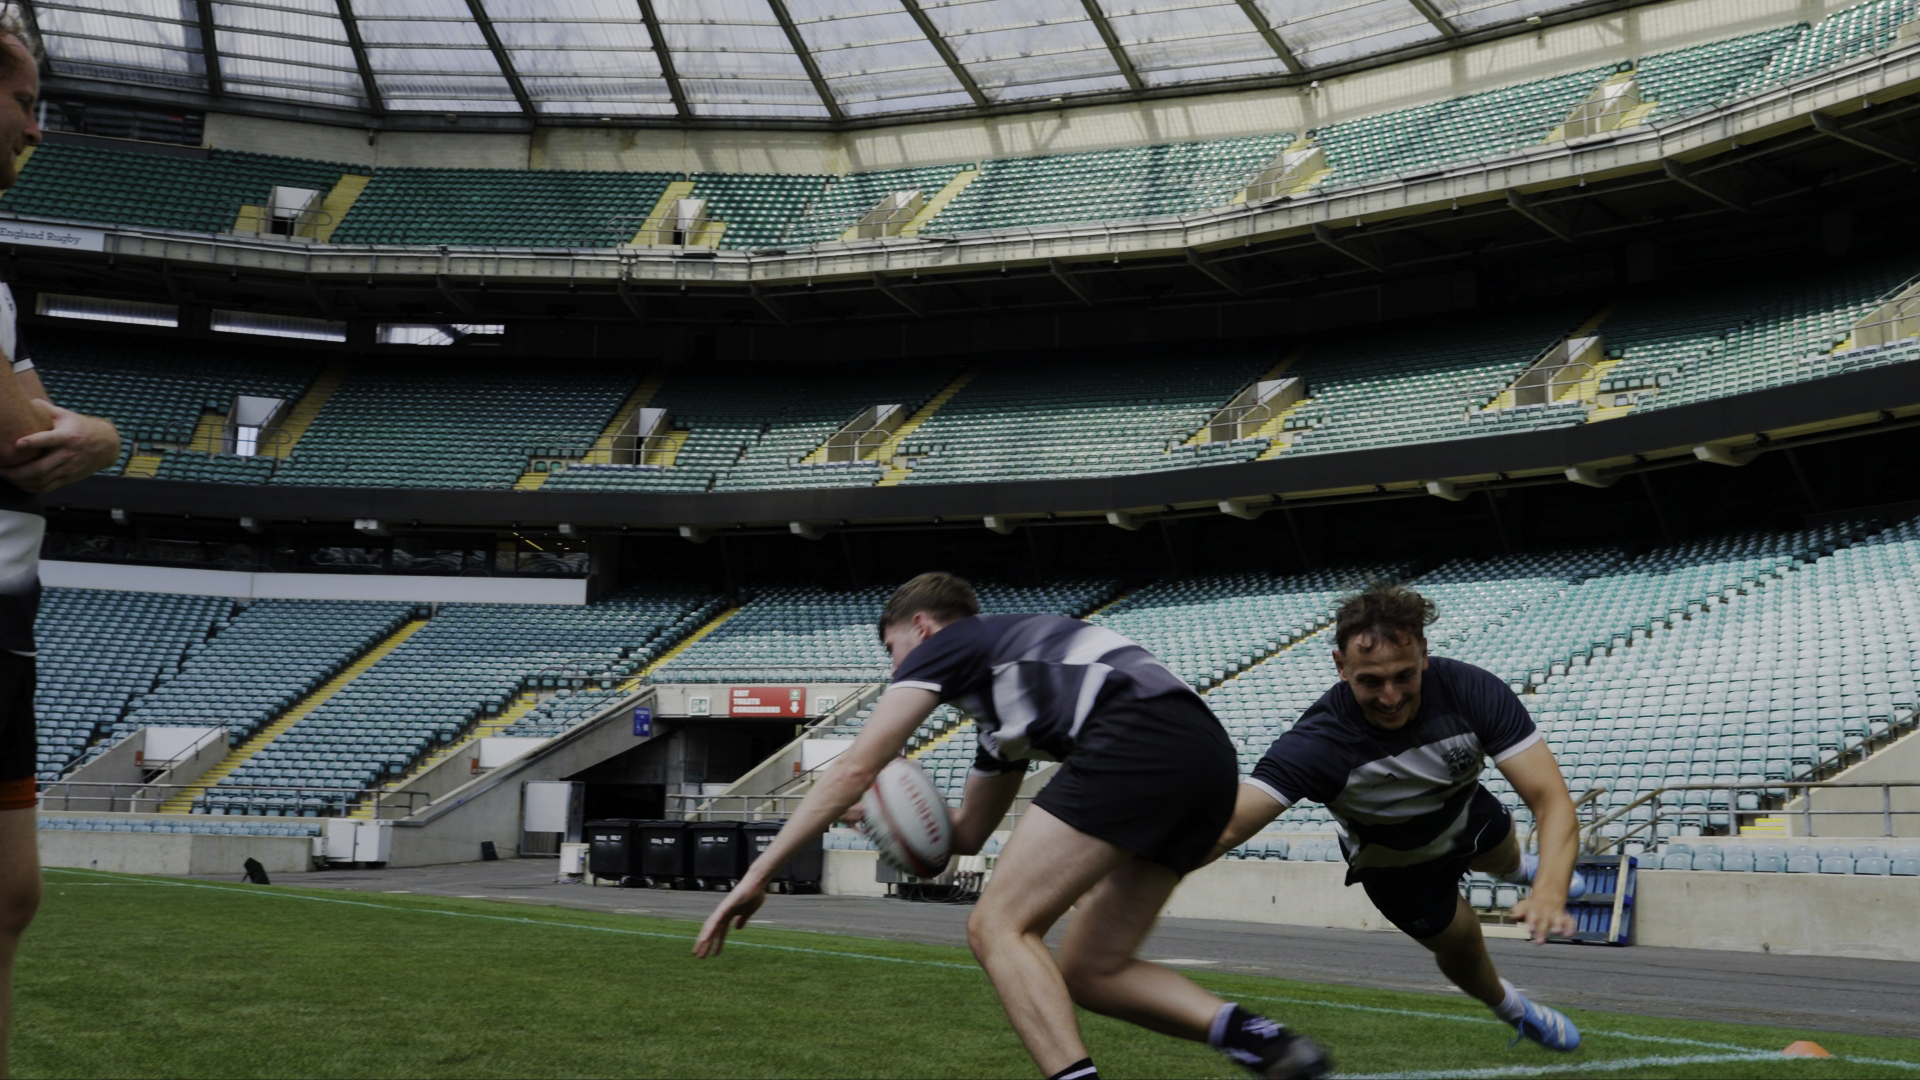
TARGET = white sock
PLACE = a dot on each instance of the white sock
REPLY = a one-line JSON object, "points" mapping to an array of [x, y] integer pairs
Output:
{"points": [[1513, 1007], [1523, 874], [1530, 865]]}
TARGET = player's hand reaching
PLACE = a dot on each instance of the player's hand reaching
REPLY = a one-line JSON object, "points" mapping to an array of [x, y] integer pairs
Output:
{"points": [[732, 913], [1543, 917]]}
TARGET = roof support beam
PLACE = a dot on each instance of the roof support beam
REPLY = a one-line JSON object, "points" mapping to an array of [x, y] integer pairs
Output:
{"points": [[210, 48], [1325, 236], [1273, 39], [1431, 14], [485, 23], [453, 298], [806, 57], [1074, 285], [360, 61], [774, 309], [1099, 19], [1538, 215], [635, 303], [1221, 276], [665, 54], [1865, 140], [887, 290], [940, 46], [1683, 176]]}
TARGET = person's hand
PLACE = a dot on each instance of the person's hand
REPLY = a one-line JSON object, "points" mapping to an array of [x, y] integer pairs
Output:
{"points": [[75, 448], [855, 814], [732, 913], [1544, 917]]}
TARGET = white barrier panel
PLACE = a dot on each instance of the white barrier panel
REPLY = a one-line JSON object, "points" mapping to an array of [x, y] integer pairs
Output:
{"points": [[432, 590]]}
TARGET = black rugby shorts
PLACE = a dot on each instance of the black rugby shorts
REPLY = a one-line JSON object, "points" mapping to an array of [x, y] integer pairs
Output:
{"points": [[1423, 899], [1157, 777]]}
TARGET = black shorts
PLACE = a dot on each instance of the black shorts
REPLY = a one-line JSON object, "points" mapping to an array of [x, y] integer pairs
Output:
{"points": [[19, 743], [1156, 777], [1423, 899]]}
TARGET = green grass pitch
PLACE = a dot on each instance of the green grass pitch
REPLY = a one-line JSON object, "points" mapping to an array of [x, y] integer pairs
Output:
{"points": [[131, 976]]}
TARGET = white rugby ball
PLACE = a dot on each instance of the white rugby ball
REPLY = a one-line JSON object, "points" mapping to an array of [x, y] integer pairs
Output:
{"points": [[906, 817]]}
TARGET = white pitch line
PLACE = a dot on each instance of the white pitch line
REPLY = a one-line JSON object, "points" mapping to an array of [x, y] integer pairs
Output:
{"points": [[1616, 1065]]}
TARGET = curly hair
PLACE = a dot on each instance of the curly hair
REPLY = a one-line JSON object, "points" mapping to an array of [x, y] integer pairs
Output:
{"points": [[945, 597], [1386, 612]]}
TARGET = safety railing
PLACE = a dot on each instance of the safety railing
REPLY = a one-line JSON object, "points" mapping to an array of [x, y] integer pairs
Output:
{"points": [[565, 451], [240, 800], [301, 225], [731, 807], [1672, 804]]}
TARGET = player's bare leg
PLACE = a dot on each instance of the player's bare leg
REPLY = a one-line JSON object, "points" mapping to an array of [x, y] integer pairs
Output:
{"points": [[1103, 974], [1461, 952], [19, 900], [1045, 867], [1502, 860]]}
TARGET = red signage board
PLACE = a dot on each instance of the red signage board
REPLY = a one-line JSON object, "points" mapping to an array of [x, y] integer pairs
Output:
{"points": [[767, 701]]}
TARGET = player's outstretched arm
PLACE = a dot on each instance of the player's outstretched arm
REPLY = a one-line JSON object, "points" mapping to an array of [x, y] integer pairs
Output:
{"points": [[1253, 810], [983, 806], [1536, 778], [840, 785]]}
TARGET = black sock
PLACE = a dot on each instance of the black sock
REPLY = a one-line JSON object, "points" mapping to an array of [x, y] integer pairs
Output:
{"points": [[1079, 1070], [1243, 1036]]}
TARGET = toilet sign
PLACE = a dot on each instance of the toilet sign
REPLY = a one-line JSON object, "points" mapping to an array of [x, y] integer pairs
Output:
{"points": [[767, 701], [642, 722]]}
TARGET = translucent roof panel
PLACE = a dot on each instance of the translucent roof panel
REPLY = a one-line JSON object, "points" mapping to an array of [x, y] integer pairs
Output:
{"points": [[582, 56], [1172, 42], [874, 58], [733, 59], [430, 55], [144, 41], [294, 49], [1324, 32], [1479, 14], [1023, 49]]}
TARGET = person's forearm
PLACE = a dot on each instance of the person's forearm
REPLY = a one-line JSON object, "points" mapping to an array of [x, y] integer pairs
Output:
{"points": [[1559, 846], [983, 806], [18, 418], [839, 787]]}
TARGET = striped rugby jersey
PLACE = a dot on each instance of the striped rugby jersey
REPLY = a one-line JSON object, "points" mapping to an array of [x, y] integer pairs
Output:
{"points": [[1031, 681], [23, 524], [1399, 798]]}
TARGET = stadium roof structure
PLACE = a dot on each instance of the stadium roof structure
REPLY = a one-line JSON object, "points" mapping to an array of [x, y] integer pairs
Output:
{"points": [[760, 62]]}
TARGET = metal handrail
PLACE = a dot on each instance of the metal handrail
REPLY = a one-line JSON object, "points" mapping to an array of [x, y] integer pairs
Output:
{"points": [[1593, 843], [1531, 843], [576, 449], [683, 807], [135, 796]]}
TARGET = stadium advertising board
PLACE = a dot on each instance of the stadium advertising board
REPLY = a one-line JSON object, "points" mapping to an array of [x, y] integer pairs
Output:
{"points": [[767, 701]]}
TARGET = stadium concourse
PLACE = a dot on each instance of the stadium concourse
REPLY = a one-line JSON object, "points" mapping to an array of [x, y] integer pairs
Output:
{"points": [[525, 415]]}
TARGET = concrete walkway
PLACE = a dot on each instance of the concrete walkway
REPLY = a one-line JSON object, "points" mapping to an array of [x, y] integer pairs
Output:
{"points": [[1875, 997]]}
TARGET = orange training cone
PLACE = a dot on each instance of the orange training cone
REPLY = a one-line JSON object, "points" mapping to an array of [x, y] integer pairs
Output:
{"points": [[1806, 1049]]}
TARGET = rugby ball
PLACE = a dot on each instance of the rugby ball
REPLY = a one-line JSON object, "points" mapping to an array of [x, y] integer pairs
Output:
{"points": [[905, 816]]}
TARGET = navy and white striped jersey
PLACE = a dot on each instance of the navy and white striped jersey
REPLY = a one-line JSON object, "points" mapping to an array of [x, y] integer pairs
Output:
{"points": [[1399, 797], [1031, 681]]}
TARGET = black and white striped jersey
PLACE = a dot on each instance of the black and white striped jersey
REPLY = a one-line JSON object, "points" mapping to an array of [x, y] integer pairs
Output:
{"points": [[23, 524], [1031, 681], [1399, 798]]}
